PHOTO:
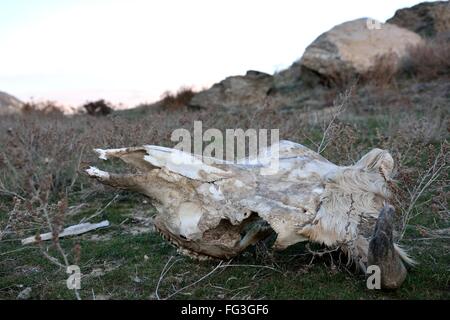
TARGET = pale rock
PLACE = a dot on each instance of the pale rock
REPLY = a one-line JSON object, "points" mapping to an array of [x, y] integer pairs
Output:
{"points": [[353, 48]]}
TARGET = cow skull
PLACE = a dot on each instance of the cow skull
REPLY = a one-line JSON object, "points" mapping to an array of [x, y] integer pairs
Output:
{"points": [[216, 209]]}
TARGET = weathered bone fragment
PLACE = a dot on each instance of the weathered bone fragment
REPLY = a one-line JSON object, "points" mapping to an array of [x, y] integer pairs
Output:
{"points": [[69, 231], [219, 209]]}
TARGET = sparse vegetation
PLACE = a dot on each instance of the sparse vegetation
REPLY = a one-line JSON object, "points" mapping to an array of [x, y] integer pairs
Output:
{"points": [[426, 62], [45, 107], [42, 188], [177, 100], [98, 108]]}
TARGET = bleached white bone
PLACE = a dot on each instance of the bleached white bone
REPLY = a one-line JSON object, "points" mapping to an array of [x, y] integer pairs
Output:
{"points": [[69, 231]]}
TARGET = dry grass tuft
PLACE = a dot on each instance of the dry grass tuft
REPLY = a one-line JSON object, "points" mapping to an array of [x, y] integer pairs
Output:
{"points": [[428, 62]]}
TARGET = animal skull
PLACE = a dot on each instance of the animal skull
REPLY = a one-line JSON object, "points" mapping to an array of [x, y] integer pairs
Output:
{"points": [[219, 209]]}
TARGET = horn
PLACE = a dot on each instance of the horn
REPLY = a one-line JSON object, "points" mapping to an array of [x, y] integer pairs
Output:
{"points": [[383, 253]]}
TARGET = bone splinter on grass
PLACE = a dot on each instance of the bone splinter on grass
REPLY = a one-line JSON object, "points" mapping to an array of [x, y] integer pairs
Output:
{"points": [[69, 231]]}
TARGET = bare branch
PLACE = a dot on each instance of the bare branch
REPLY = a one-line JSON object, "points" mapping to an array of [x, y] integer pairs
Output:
{"points": [[339, 108]]}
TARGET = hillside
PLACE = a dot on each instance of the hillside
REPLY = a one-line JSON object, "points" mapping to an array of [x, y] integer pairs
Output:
{"points": [[9, 104]]}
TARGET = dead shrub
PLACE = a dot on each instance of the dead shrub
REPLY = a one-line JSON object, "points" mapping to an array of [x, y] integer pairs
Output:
{"points": [[45, 107], [384, 71], [37, 214], [180, 99], [98, 108], [427, 62]]}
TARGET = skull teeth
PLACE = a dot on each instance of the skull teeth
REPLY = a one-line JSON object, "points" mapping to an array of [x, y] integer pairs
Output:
{"points": [[182, 250]]}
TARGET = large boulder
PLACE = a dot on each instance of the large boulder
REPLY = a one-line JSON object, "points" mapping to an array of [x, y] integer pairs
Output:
{"points": [[353, 47], [250, 90], [427, 19], [9, 104]]}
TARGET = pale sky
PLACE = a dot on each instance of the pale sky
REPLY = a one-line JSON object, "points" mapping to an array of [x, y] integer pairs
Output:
{"points": [[130, 51]]}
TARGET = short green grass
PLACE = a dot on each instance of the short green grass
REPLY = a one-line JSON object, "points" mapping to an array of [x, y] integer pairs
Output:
{"points": [[122, 265]]}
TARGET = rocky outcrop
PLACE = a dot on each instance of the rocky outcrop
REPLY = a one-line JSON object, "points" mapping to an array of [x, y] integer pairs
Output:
{"points": [[338, 55], [427, 19], [9, 104], [352, 48], [238, 91], [257, 90]]}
